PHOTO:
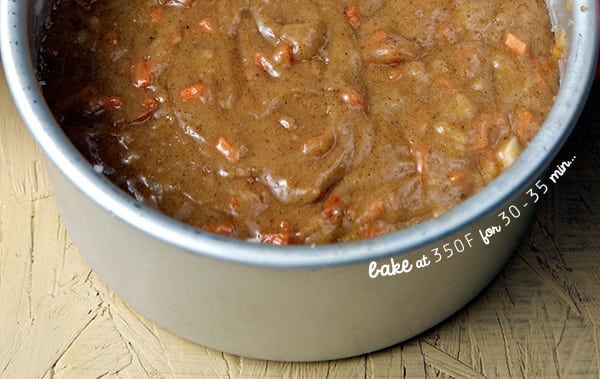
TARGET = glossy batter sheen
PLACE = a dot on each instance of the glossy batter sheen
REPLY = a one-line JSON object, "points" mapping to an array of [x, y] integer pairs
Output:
{"points": [[300, 121]]}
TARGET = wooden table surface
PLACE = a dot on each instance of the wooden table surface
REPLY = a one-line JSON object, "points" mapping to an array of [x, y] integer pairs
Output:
{"points": [[539, 319]]}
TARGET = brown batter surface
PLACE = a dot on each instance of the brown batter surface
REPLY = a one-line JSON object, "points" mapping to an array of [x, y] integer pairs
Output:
{"points": [[300, 121]]}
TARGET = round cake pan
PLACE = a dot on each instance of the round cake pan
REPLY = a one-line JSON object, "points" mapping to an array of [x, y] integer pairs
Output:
{"points": [[296, 303]]}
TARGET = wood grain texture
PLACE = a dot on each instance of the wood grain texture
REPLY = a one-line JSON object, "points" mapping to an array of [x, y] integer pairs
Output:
{"points": [[539, 319]]}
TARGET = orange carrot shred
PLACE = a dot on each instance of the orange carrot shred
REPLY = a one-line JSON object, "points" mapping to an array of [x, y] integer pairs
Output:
{"points": [[445, 32], [207, 24], [457, 177], [352, 97], [234, 203], [286, 226], [275, 238], [112, 102], [332, 207], [157, 15], [352, 16], [395, 74], [231, 153], [191, 92], [142, 73], [150, 103], [224, 229], [283, 55], [445, 82], [515, 44], [265, 63], [377, 38]]}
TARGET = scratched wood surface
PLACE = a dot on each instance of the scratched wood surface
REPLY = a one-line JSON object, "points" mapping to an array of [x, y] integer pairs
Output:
{"points": [[539, 319]]}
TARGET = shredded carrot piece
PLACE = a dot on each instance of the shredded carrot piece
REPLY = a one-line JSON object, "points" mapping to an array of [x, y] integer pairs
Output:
{"points": [[283, 55], [318, 145], [157, 15], [352, 16], [352, 97], [445, 82], [112, 102], [191, 92], [457, 177], [332, 208], [377, 38], [515, 44], [228, 150], [259, 61], [99, 104], [234, 203], [207, 24], [265, 64], [150, 103], [395, 74], [142, 73], [445, 32], [224, 229], [275, 238], [286, 226]]}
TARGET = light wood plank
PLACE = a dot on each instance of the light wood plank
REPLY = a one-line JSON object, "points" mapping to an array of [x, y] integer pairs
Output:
{"points": [[539, 318]]}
